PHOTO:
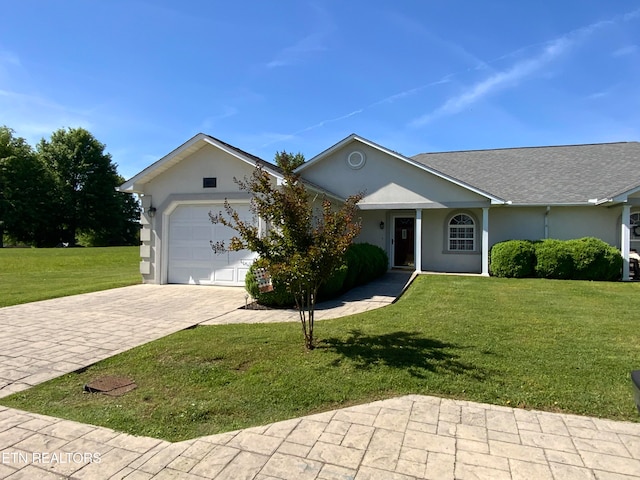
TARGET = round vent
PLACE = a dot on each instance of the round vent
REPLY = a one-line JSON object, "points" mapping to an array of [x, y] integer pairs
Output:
{"points": [[356, 159]]}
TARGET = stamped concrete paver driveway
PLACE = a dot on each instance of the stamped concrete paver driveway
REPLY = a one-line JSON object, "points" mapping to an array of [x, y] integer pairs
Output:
{"points": [[42, 340]]}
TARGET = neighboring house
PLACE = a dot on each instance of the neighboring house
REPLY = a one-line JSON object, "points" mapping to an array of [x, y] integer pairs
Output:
{"points": [[436, 212]]}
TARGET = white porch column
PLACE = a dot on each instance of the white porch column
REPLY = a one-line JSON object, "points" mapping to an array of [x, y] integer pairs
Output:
{"points": [[418, 247], [485, 241], [625, 244]]}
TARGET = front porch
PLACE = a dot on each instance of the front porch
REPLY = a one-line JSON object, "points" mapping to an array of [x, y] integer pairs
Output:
{"points": [[442, 240]]}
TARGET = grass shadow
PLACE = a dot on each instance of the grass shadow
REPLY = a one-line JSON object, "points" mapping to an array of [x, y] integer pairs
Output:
{"points": [[409, 351]]}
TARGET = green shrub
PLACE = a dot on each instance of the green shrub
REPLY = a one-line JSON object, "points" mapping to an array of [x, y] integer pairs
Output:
{"points": [[594, 259], [554, 259], [353, 259], [334, 285], [579, 259], [363, 262], [279, 297], [513, 259]]}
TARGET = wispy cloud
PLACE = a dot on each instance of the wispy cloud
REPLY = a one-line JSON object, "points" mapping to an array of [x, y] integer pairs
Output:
{"points": [[7, 57], [624, 51], [213, 120], [419, 30], [289, 136], [495, 82], [10, 67], [631, 15], [18, 108], [265, 139], [546, 53], [309, 45], [518, 72], [387, 100], [18, 98], [297, 53], [412, 91]]}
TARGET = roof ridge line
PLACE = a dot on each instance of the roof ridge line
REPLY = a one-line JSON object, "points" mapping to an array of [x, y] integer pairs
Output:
{"points": [[526, 148]]}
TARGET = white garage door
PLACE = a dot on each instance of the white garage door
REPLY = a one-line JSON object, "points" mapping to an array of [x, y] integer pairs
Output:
{"points": [[191, 258]]}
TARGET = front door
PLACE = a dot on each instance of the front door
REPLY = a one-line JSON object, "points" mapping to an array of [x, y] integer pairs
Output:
{"points": [[404, 242]]}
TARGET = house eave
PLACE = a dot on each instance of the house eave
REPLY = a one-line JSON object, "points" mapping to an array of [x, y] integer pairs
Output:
{"points": [[136, 183], [552, 204], [354, 137]]}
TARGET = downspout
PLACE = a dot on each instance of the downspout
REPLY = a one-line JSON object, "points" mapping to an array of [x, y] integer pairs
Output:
{"points": [[546, 222]]}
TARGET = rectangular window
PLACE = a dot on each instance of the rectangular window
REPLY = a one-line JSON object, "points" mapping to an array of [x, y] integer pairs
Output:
{"points": [[209, 182]]}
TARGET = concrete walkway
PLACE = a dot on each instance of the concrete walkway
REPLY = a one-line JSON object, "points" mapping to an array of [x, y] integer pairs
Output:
{"points": [[411, 437]]}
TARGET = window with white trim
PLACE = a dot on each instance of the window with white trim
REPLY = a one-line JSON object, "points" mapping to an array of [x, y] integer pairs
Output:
{"points": [[462, 233]]}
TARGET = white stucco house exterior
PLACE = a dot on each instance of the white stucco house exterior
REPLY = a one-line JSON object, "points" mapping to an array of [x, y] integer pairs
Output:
{"points": [[437, 212]]}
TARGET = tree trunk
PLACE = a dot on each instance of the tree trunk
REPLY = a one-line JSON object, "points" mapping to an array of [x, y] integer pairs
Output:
{"points": [[305, 304]]}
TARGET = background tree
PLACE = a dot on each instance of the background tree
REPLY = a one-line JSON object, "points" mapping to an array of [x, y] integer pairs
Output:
{"points": [[301, 249], [85, 193], [25, 186]]}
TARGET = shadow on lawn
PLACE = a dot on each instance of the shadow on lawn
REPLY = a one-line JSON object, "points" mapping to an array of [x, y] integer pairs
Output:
{"points": [[403, 350]]}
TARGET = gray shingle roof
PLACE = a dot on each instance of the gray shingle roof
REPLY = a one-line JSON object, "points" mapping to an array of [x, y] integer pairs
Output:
{"points": [[545, 175], [256, 159]]}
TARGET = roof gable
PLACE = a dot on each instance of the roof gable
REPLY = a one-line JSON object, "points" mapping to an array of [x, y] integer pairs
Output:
{"points": [[195, 143], [318, 159], [571, 174]]}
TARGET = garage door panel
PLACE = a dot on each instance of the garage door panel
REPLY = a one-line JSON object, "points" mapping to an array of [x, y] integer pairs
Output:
{"points": [[180, 233], [242, 273], [201, 233], [224, 275], [191, 258], [185, 253], [203, 254], [179, 254], [191, 276]]}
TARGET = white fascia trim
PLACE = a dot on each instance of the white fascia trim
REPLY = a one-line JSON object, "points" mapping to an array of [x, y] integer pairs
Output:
{"points": [[622, 197], [324, 192], [148, 173], [547, 204], [235, 154], [326, 152], [129, 185], [354, 137]]}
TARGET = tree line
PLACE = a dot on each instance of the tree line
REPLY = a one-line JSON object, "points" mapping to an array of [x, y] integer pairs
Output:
{"points": [[63, 192]]}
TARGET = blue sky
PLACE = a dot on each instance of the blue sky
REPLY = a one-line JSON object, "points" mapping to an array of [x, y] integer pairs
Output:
{"points": [[413, 75]]}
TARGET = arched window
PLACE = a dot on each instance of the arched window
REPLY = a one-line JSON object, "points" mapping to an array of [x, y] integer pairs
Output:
{"points": [[462, 233]]}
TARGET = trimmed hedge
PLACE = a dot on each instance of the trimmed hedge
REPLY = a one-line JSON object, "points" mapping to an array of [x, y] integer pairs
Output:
{"points": [[594, 259], [363, 262], [514, 259], [278, 298], [333, 286], [554, 259], [580, 259]]}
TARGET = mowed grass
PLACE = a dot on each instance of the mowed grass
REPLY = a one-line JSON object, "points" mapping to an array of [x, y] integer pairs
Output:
{"points": [[30, 274], [551, 345]]}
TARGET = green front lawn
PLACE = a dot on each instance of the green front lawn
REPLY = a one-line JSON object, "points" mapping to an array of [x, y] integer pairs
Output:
{"points": [[551, 345], [31, 274]]}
